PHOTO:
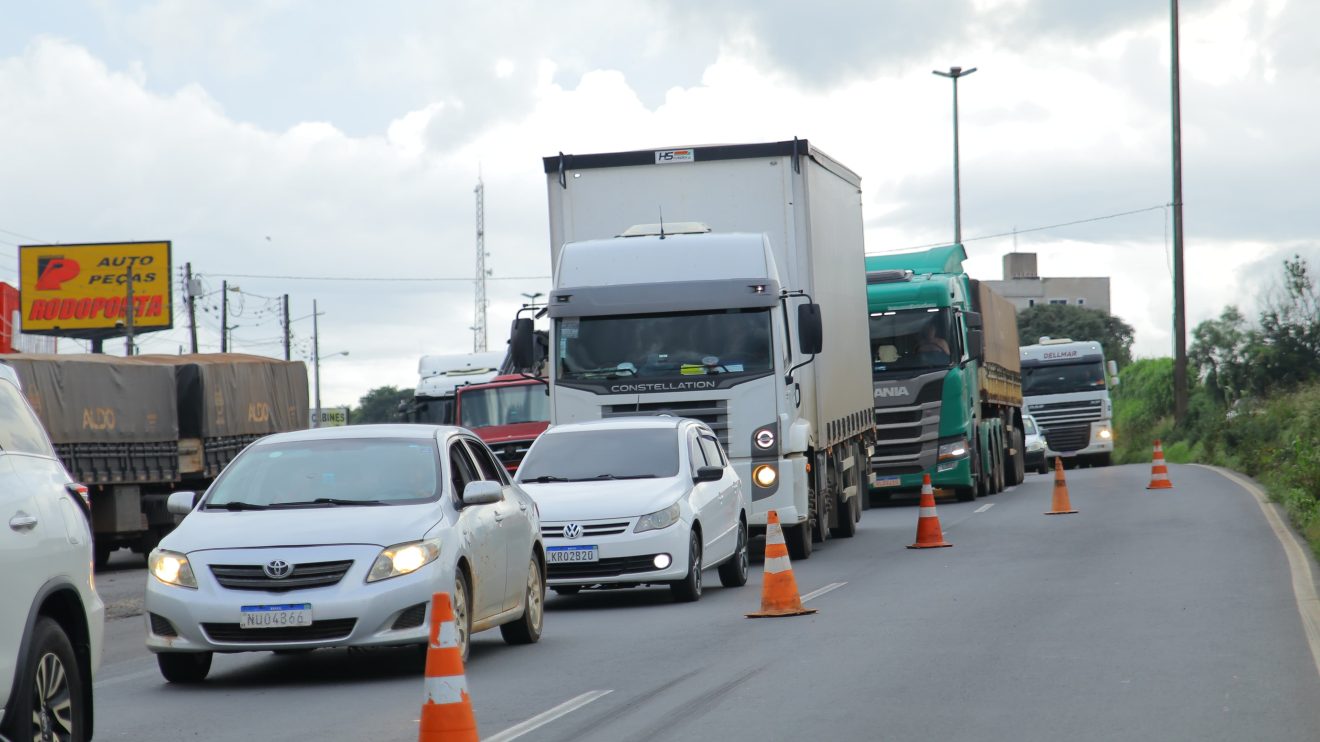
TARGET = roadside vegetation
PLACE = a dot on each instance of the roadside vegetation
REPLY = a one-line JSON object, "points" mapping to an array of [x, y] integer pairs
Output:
{"points": [[1254, 403]]}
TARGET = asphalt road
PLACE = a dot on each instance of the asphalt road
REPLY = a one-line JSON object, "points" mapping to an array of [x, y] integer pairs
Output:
{"points": [[1147, 615]]}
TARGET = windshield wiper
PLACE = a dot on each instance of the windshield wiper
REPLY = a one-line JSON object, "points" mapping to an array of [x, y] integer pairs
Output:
{"points": [[326, 501], [608, 372], [546, 478], [613, 476], [234, 506]]}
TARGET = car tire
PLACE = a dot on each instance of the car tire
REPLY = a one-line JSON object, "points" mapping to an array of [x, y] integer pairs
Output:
{"points": [[184, 667], [567, 590], [798, 539], [688, 589], [733, 573], [462, 607], [50, 675], [527, 629]]}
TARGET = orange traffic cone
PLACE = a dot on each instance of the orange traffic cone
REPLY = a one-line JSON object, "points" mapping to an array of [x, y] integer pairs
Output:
{"points": [[1061, 504], [1159, 473], [929, 533], [447, 709], [779, 591]]}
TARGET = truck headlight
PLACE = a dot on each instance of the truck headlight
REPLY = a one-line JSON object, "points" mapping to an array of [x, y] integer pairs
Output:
{"points": [[765, 438], [954, 450], [402, 559], [764, 476], [658, 520], [1105, 433], [171, 568], [1036, 445]]}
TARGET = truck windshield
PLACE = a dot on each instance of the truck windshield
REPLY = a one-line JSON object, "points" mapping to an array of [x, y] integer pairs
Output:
{"points": [[588, 455], [664, 345], [503, 405], [1063, 378], [433, 411], [330, 471], [911, 339]]}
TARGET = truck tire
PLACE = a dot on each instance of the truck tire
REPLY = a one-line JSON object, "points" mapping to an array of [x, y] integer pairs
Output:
{"points": [[1017, 459], [798, 538], [1104, 459], [849, 513], [820, 522]]}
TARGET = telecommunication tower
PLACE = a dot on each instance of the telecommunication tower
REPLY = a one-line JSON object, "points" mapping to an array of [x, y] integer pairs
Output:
{"points": [[479, 325]]}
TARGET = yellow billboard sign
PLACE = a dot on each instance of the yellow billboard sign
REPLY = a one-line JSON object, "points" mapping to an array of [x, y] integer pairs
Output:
{"points": [[82, 290]]}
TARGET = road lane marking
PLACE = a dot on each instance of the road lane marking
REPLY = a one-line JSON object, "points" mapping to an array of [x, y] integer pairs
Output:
{"points": [[821, 591], [984, 507], [127, 676], [541, 719], [1308, 603]]}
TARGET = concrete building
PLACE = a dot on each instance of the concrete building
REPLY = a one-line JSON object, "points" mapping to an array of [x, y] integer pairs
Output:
{"points": [[1025, 288]]}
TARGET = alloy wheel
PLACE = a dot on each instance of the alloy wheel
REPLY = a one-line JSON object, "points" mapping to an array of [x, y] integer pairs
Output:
{"points": [[52, 701]]}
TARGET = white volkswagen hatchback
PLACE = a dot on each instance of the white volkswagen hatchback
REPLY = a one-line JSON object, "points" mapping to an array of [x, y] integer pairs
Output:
{"points": [[338, 537], [637, 501], [51, 620]]}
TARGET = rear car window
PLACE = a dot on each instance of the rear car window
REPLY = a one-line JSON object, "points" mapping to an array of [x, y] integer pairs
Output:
{"points": [[20, 431]]}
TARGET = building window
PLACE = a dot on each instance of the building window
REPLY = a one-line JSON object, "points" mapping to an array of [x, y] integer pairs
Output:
{"points": [[1058, 301], [1081, 302], [1031, 302]]}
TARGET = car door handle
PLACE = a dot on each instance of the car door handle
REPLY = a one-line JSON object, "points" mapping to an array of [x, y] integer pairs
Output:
{"points": [[23, 521]]}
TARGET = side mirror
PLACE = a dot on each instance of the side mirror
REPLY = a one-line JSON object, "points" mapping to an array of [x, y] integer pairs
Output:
{"points": [[811, 334], [181, 503], [709, 474], [973, 320], [976, 343], [482, 493], [520, 344]]}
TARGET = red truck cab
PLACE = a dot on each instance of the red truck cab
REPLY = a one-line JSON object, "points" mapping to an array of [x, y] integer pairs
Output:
{"points": [[507, 412]]}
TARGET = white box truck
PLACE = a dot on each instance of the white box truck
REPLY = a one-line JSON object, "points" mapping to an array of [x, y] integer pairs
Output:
{"points": [[727, 284]]}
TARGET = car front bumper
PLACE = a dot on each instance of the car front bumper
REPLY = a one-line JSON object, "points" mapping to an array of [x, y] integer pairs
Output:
{"points": [[625, 558], [349, 613]]}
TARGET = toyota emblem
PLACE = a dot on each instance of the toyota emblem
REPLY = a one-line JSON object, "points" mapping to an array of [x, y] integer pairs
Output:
{"points": [[277, 569], [572, 531]]}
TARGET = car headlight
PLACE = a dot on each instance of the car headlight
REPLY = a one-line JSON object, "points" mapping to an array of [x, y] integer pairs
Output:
{"points": [[657, 520], [171, 568], [954, 450], [402, 559]]}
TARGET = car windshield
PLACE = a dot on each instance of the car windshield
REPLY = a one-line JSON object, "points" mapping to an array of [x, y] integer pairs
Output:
{"points": [[1063, 378], [912, 339], [584, 455], [329, 473], [664, 345], [503, 405]]}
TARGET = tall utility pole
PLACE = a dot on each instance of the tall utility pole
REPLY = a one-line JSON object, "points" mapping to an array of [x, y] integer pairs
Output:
{"points": [[288, 335], [224, 316], [316, 365], [128, 314], [953, 74], [192, 306], [479, 325], [1179, 294]]}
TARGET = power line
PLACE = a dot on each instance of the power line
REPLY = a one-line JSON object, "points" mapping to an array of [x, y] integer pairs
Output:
{"points": [[382, 278], [1029, 229]]}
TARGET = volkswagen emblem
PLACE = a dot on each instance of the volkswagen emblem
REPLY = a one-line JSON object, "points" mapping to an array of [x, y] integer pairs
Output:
{"points": [[277, 569], [572, 531]]}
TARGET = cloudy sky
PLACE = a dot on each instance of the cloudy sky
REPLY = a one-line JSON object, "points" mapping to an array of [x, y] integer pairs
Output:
{"points": [[297, 140]]}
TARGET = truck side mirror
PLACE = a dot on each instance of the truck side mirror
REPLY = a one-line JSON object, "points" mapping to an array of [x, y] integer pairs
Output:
{"points": [[811, 334], [1112, 368], [520, 343], [976, 343]]}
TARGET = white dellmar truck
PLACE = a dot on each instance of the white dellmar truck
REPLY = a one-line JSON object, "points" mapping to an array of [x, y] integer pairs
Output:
{"points": [[754, 324], [1064, 387]]}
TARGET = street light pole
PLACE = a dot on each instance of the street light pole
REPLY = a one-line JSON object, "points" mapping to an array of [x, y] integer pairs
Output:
{"points": [[953, 74], [316, 365]]}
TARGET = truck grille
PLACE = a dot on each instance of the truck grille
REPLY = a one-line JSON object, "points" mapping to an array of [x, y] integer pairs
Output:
{"points": [[1068, 438], [308, 575], [1056, 413], [604, 568], [511, 454], [319, 631], [715, 413], [552, 530]]}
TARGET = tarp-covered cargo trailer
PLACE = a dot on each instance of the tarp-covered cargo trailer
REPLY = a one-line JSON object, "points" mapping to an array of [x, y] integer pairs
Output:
{"points": [[112, 421]]}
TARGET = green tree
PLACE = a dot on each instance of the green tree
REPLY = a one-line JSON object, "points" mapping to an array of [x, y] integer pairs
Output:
{"points": [[380, 405], [1078, 323]]}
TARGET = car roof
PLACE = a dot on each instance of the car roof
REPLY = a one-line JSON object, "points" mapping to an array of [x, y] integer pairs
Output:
{"points": [[627, 422], [381, 430]]}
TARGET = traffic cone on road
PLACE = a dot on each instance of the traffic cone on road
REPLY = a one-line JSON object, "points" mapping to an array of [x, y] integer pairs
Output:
{"points": [[929, 533], [779, 591], [447, 709], [1061, 504], [1159, 473]]}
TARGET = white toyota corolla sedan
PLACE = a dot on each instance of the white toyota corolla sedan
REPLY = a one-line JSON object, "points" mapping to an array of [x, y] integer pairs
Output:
{"points": [[637, 501], [338, 537]]}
